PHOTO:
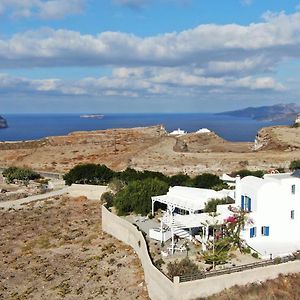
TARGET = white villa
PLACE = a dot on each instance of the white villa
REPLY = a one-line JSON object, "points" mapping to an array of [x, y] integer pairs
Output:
{"points": [[274, 208], [203, 130], [273, 203], [178, 132], [184, 216]]}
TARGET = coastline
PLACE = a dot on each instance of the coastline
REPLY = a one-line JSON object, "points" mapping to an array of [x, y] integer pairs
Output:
{"points": [[3, 123], [31, 127], [152, 148]]}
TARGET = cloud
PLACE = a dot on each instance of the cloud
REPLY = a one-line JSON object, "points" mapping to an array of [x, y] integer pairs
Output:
{"points": [[247, 2], [48, 9], [210, 59], [257, 47], [134, 4], [139, 4], [140, 82]]}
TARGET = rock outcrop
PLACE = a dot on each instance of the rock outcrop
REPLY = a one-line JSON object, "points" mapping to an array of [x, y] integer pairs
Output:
{"points": [[207, 142], [278, 138], [3, 123]]}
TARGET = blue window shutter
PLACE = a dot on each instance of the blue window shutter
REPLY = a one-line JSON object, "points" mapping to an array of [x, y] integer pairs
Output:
{"points": [[267, 231], [249, 204], [243, 202], [252, 232]]}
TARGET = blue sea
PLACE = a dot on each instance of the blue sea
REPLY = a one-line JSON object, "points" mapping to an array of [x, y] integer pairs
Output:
{"points": [[35, 126]]}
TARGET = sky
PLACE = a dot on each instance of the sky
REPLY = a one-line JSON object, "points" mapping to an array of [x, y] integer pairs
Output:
{"points": [[101, 56]]}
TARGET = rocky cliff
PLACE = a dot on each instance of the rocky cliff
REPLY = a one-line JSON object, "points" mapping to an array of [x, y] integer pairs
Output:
{"points": [[3, 123], [278, 138]]}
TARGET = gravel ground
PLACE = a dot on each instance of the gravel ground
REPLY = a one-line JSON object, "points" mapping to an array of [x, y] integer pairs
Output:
{"points": [[55, 250]]}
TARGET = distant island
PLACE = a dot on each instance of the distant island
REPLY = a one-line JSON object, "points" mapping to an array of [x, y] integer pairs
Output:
{"points": [[3, 123], [267, 113], [92, 116]]}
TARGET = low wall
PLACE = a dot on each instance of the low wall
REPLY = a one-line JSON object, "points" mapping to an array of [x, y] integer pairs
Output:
{"points": [[208, 286], [161, 288], [92, 192]]}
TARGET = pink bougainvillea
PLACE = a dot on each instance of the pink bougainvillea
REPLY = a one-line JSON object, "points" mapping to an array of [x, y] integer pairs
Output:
{"points": [[231, 219]]}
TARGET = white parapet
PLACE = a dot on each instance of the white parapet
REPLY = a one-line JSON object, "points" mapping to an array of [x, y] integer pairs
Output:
{"points": [[156, 234]]}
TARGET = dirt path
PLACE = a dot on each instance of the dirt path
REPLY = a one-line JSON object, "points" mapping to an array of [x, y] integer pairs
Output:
{"points": [[16, 204]]}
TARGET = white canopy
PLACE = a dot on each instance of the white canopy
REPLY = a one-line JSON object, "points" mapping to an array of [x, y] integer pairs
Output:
{"points": [[226, 177], [198, 220], [187, 198]]}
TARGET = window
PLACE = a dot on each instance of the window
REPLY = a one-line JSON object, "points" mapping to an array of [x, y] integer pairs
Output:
{"points": [[293, 189], [292, 214], [252, 232], [265, 230], [246, 203]]}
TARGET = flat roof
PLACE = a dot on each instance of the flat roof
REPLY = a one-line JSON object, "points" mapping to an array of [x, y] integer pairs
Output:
{"points": [[254, 182], [191, 199], [279, 176], [198, 220]]}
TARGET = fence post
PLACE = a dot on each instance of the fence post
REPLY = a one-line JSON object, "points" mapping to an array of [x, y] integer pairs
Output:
{"points": [[176, 279]]}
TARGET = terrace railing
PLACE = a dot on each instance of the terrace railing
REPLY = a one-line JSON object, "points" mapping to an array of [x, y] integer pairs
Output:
{"points": [[265, 263]]}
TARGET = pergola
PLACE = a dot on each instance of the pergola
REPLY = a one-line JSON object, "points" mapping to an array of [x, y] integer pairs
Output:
{"points": [[192, 200]]}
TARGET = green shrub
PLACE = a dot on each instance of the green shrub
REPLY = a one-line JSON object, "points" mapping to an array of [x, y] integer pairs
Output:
{"points": [[220, 254], [294, 165], [17, 173], [89, 174], [108, 198], [136, 196], [220, 186], [116, 185], [219, 258], [246, 250], [255, 255], [277, 260], [211, 205], [244, 173], [206, 181], [158, 263], [131, 174], [184, 267], [180, 180]]}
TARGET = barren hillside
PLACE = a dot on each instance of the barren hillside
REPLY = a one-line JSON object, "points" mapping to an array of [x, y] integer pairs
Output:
{"points": [[278, 138], [152, 148], [56, 250], [283, 287]]}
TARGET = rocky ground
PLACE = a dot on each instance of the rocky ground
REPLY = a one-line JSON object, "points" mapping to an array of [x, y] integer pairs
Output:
{"points": [[55, 250], [284, 288], [11, 192], [153, 149]]}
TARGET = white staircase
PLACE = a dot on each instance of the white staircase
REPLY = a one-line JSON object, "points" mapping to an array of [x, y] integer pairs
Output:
{"points": [[178, 228]]}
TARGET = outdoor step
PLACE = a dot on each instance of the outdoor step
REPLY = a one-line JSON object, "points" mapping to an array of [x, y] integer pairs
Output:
{"points": [[182, 233]]}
